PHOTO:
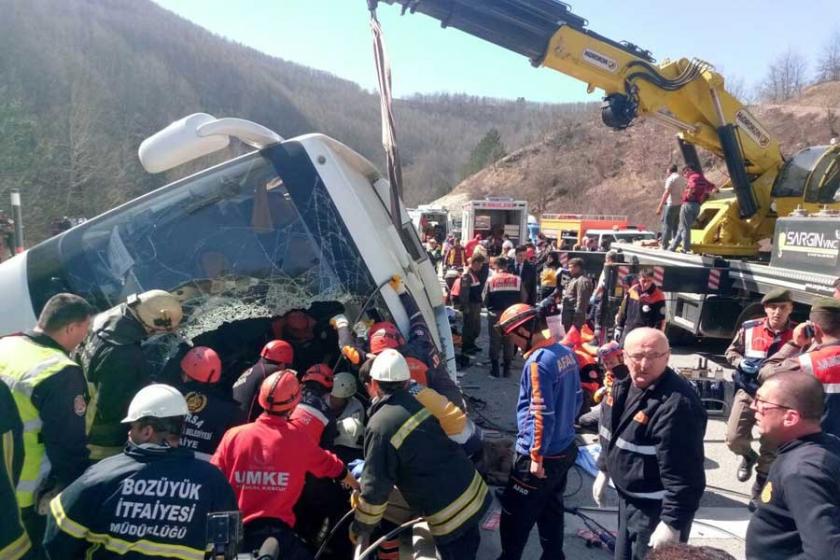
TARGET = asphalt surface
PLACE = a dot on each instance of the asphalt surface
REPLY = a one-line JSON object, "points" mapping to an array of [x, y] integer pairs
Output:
{"points": [[723, 516]]}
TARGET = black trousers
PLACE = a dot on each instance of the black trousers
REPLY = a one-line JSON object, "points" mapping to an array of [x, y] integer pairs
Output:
{"points": [[464, 547], [35, 526], [528, 500], [637, 519], [291, 546]]}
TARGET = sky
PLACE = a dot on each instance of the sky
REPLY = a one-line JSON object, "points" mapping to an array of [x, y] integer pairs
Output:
{"points": [[740, 37]]}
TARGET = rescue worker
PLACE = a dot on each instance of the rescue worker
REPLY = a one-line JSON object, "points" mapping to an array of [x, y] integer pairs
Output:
{"points": [[651, 434], [643, 306], [406, 447], [14, 541], [385, 334], [814, 348], [275, 356], [798, 514], [548, 274], [456, 255], [211, 411], [314, 414], [576, 296], [266, 462], [349, 417], [549, 400], [502, 290], [754, 342], [115, 366], [51, 395], [150, 501], [469, 301]]}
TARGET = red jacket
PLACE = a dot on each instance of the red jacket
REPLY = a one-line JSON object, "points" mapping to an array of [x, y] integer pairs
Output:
{"points": [[266, 463], [697, 188]]}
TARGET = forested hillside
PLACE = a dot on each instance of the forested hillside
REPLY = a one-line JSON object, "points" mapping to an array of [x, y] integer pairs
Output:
{"points": [[83, 82]]}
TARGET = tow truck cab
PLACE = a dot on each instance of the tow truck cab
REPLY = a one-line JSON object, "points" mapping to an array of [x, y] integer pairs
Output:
{"points": [[298, 225], [495, 216]]}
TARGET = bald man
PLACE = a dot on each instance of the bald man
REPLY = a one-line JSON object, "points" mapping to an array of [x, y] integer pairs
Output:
{"points": [[798, 514], [652, 428]]}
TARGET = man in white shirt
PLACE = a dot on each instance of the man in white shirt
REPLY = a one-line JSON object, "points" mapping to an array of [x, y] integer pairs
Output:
{"points": [[671, 197]]}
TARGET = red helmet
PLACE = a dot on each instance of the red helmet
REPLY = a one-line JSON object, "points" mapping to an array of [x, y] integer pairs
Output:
{"points": [[280, 391], [320, 373], [384, 335], [418, 371], [515, 316], [278, 351], [202, 364]]}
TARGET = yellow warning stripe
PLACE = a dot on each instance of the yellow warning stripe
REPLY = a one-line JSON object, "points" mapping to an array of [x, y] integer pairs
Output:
{"points": [[409, 426]]}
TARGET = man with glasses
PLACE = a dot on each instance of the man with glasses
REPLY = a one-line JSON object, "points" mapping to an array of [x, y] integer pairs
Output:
{"points": [[652, 428], [798, 513]]}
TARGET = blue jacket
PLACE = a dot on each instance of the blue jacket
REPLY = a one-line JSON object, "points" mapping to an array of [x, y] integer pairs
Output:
{"points": [[549, 401]]}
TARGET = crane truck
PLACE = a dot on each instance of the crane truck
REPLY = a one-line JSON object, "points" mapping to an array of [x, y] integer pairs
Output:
{"points": [[716, 288]]}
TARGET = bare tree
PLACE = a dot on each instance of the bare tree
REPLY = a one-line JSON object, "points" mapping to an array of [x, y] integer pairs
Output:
{"points": [[828, 68], [785, 78]]}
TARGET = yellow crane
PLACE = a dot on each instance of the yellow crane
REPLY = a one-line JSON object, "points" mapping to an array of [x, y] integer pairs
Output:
{"points": [[687, 95]]}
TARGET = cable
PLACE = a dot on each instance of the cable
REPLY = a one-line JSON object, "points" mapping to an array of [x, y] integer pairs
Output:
{"points": [[338, 524], [389, 536], [577, 470], [703, 523], [476, 405]]}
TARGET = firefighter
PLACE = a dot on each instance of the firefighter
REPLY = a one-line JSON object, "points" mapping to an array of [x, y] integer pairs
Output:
{"points": [[502, 290], [406, 447], [51, 395], [115, 366], [150, 501], [814, 348], [651, 435], [469, 300], [314, 414], [755, 341], [266, 462], [798, 513], [385, 334], [643, 306], [549, 400], [276, 355], [14, 541], [212, 412], [576, 295]]}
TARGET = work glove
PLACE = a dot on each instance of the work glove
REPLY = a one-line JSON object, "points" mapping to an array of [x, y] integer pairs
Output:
{"points": [[663, 534], [599, 488], [617, 333], [339, 322], [397, 284]]}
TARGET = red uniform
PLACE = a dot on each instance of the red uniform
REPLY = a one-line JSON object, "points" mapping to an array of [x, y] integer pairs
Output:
{"points": [[266, 463]]}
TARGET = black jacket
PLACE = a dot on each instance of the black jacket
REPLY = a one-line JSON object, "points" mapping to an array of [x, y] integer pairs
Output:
{"points": [[14, 541], [148, 502], [798, 513], [654, 449], [528, 273], [115, 365], [212, 413], [405, 446], [246, 389]]}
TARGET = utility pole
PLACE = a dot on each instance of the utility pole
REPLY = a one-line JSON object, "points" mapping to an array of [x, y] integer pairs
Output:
{"points": [[17, 216]]}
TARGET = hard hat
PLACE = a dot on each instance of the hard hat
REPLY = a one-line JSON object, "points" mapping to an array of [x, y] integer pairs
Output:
{"points": [[344, 385], [320, 373], [156, 309], [280, 391], [515, 316], [390, 366], [278, 351], [418, 370], [350, 432], [384, 335], [202, 364], [156, 401]]}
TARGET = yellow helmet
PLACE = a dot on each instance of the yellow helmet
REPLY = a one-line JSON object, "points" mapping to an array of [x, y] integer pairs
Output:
{"points": [[158, 310]]}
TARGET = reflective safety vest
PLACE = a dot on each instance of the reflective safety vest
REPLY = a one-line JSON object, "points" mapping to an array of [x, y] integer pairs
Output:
{"points": [[26, 365], [760, 341], [824, 364]]}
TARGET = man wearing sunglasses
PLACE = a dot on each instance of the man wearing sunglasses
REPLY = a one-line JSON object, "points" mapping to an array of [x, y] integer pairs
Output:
{"points": [[798, 513]]}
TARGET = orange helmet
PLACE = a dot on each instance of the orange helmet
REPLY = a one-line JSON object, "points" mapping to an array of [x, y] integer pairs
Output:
{"points": [[320, 373], [418, 371], [382, 335], [202, 364], [280, 391], [515, 316], [278, 351]]}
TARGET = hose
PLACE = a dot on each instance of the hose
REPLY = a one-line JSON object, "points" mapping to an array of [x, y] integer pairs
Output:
{"points": [[331, 534], [394, 533]]}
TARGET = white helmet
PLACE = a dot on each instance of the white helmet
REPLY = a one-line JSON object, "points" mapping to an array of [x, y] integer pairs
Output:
{"points": [[350, 433], [156, 401], [390, 365], [344, 385], [157, 309]]}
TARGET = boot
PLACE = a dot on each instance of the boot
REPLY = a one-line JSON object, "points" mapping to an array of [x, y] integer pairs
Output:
{"points": [[746, 466], [506, 369], [494, 368]]}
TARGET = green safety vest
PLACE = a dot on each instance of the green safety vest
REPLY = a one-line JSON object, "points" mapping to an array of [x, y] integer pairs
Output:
{"points": [[25, 365]]}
